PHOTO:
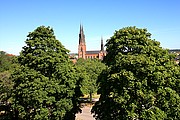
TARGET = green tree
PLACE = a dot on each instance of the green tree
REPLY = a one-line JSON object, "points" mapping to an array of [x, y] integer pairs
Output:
{"points": [[46, 84], [89, 71], [6, 84], [5, 61], [142, 80]]}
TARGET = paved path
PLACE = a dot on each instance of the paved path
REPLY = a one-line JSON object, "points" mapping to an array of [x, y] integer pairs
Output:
{"points": [[85, 115]]}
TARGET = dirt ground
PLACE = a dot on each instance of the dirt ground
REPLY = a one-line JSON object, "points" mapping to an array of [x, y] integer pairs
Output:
{"points": [[86, 114]]}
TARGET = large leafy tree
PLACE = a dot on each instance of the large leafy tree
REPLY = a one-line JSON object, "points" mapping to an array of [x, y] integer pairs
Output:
{"points": [[89, 71], [142, 80], [6, 84], [46, 84], [6, 66]]}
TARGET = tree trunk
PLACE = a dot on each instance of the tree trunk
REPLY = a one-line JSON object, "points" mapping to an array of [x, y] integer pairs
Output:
{"points": [[90, 96]]}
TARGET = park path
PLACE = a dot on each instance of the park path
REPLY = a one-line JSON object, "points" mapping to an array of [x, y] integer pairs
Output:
{"points": [[85, 115]]}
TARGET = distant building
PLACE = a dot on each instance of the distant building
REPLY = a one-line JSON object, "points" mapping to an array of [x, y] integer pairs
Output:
{"points": [[82, 53], [177, 52], [73, 57]]}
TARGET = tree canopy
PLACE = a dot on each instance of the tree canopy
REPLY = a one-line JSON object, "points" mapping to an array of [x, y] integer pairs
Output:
{"points": [[89, 71], [142, 80], [45, 85], [5, 61], [5, 81], [6, 84]]}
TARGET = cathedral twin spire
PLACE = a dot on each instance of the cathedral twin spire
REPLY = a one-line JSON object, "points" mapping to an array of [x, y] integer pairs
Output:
{"points": [[82, 38], [82, 53]]}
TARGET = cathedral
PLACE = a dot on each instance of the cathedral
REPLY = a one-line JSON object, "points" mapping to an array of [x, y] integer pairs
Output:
{"points": [[82, 53]]}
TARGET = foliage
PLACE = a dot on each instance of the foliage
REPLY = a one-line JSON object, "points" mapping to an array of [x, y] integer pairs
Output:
{"points": [[6, 84], [142, 80], [89, 71], [46, 84], [5, 61]]}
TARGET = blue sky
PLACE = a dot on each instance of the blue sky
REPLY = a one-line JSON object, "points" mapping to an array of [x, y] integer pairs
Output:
{"points": [[99, 18]]}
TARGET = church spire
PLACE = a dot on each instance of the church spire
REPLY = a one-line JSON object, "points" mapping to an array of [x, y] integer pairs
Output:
{"points": [[102, 45], [82, 44], [81, 35]]}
